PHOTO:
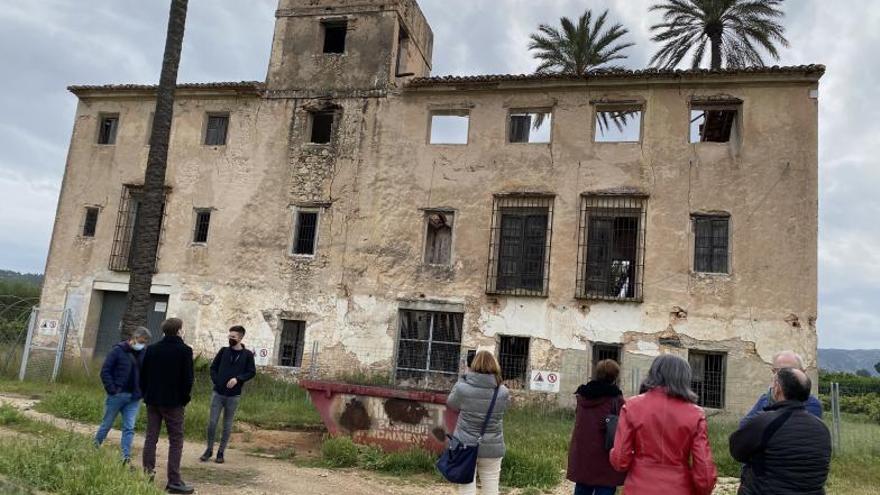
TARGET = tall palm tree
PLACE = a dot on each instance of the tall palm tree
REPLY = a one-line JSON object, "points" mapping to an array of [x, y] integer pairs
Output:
{"points": [[736, 31], [578, 47], [145, 242]]}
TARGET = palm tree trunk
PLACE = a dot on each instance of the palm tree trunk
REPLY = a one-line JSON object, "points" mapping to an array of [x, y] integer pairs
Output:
{"points": [[145, 240], [715, 41]]}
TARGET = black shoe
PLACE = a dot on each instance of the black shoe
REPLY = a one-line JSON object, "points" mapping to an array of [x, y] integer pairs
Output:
{"points": [[219, 459], [179, 488], [206, 456]]}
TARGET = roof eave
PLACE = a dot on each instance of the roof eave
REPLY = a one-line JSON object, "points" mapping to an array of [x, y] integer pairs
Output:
{"points": [[245, 88]]}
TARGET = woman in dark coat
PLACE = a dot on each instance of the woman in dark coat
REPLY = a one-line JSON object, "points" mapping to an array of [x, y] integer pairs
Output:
{"points": [[588, 464]]}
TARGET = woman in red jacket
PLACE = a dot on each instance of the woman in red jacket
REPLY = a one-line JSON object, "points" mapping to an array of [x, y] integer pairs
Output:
{"points": [[662, 439], [588, 465]]}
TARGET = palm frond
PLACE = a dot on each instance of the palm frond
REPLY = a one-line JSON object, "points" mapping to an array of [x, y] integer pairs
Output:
{"points": [[576, 47]]}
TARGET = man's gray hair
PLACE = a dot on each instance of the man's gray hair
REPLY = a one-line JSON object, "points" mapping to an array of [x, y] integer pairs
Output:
{"points": [[142, 332], [790, 354]]}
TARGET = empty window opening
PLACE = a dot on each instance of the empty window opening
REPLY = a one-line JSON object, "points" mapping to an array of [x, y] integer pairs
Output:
{"points": [[127, 224], [521, 228], [203, 221], [602, 352], [429, 349], [708, 382], [513, 356], [293, 337], [711, 244], [530, 127], [618, 125], [612, 247], [305, 233], [438, 237], [450, 127], [90, 222], [712, 125], [403, 45], [322, 127], [108, 127], [334, 36], [215, 130]]}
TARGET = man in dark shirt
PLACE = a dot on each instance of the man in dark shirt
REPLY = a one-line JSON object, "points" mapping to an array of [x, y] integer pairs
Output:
{"points": [[232, 367], [166, 382]]}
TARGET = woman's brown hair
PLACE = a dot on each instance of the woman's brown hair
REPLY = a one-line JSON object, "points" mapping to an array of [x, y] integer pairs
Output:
{"points": [[484, 362], [607, 371]]}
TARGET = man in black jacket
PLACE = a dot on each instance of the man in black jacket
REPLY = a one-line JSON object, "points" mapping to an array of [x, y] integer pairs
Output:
{"points": [[786, 450], [166, 382], [232, 367]]}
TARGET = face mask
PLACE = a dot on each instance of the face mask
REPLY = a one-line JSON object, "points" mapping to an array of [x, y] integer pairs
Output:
{"points": [[138, 346], [233, 342]]}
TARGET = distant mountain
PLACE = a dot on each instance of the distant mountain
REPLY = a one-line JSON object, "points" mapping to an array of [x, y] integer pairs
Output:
{"points": [[35, 279], [849, 361]]}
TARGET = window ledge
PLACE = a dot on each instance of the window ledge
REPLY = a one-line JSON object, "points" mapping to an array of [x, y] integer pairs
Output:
{"points": [[721, 275], [637, 300], [548, 143], [617, 142], [513, 293], [198, 244], [447, 144]]}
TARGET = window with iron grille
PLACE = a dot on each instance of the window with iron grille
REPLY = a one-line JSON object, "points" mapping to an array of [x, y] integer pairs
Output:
{"points": [[305, 233], [293, 337], [708, 382], [334, 36], [711, 243], [428, 348], [438, 237], [127, 223], [513, 356], [203, 221], [216, 128], [519, 249], [107, 130], [602, 352], [90, 222], [322, 127], [611, 254]]}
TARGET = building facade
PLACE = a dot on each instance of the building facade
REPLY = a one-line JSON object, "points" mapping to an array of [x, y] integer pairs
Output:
{"points": [[357, 215]]}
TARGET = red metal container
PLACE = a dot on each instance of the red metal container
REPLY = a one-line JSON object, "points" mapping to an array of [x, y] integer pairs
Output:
{"points": [[389, 418]]}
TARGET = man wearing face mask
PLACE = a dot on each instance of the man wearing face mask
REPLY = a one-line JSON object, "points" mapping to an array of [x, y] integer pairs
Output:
{"points": [[232, 367], [121, 377]]}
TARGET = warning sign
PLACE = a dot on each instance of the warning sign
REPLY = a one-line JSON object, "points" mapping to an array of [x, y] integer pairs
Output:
{"points": [[261, 357], [48, 328], [544, 381]]}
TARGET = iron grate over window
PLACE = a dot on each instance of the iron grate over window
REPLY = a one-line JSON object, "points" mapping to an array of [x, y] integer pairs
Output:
{"points": [[216, 129], [711, 244], [513, 356], [293, 337], [127, 222], [519, 245], [203, 222], [611, 251], [602, 352], [306, 233], [709, 377], [429, 349]]}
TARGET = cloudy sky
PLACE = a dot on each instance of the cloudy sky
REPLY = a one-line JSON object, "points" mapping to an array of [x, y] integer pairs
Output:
{"points": [[46, 45]]}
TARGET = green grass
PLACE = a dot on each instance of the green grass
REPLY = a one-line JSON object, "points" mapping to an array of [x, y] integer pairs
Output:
{"points": [[266, 402], [341, 452], [537, 447]]}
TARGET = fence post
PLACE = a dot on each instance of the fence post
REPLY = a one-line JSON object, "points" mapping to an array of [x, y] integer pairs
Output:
{"points": [[313, 361], [32, 321], [66, 321], [835, 414]]}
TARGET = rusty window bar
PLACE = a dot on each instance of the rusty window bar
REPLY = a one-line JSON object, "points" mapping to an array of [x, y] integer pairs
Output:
{"points": [[709, 376], [519, 245], [711, 240], [513, 356], [293, 335], [202, 224], [432, 338], [602, 352], [126, 223], [611, 247]]}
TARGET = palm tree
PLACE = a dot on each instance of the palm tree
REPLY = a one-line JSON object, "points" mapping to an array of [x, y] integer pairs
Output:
{"points": [[735, 29], [145, 240], [579, 47]]}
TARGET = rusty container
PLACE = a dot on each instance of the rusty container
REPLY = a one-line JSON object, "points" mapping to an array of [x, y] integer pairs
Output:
{"points": [[392, 419]]}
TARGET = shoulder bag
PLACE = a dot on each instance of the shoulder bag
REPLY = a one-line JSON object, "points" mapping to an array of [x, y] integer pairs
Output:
{"points": [[458, 464], [611, 423]]}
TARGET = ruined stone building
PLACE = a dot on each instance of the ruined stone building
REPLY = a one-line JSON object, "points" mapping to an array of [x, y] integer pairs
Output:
{"points": [[357, 214]]}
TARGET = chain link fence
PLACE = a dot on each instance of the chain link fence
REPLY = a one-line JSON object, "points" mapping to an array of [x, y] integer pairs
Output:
{"points": [[15, 312]]}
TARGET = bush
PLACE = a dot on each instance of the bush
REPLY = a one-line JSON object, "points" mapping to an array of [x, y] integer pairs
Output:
{"points": [[340, 452], [850, 385]]}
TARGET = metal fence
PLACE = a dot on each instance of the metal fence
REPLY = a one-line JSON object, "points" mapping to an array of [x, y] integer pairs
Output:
{"points": [[15, 312]]}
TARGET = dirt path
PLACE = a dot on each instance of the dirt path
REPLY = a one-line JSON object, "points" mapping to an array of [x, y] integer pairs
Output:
{"points": [[250, 474]]}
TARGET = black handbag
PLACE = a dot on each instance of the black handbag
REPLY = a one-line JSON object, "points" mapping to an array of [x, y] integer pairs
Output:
{"points": [[611, 424], [458, 464]]}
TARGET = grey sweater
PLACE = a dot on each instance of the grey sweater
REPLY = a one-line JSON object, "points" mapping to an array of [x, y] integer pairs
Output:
{"points": [[472, 396]]}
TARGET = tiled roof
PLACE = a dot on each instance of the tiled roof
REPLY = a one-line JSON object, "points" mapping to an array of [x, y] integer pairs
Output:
{"points": [[241, 86], [813, 69]]}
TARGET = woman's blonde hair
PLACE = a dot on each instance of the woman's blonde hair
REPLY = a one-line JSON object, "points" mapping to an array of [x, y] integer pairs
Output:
{"points": [[484, 362]]}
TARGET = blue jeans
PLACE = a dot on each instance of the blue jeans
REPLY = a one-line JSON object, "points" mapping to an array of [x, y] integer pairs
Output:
{"points": [[580, 489], [120, 403]]}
